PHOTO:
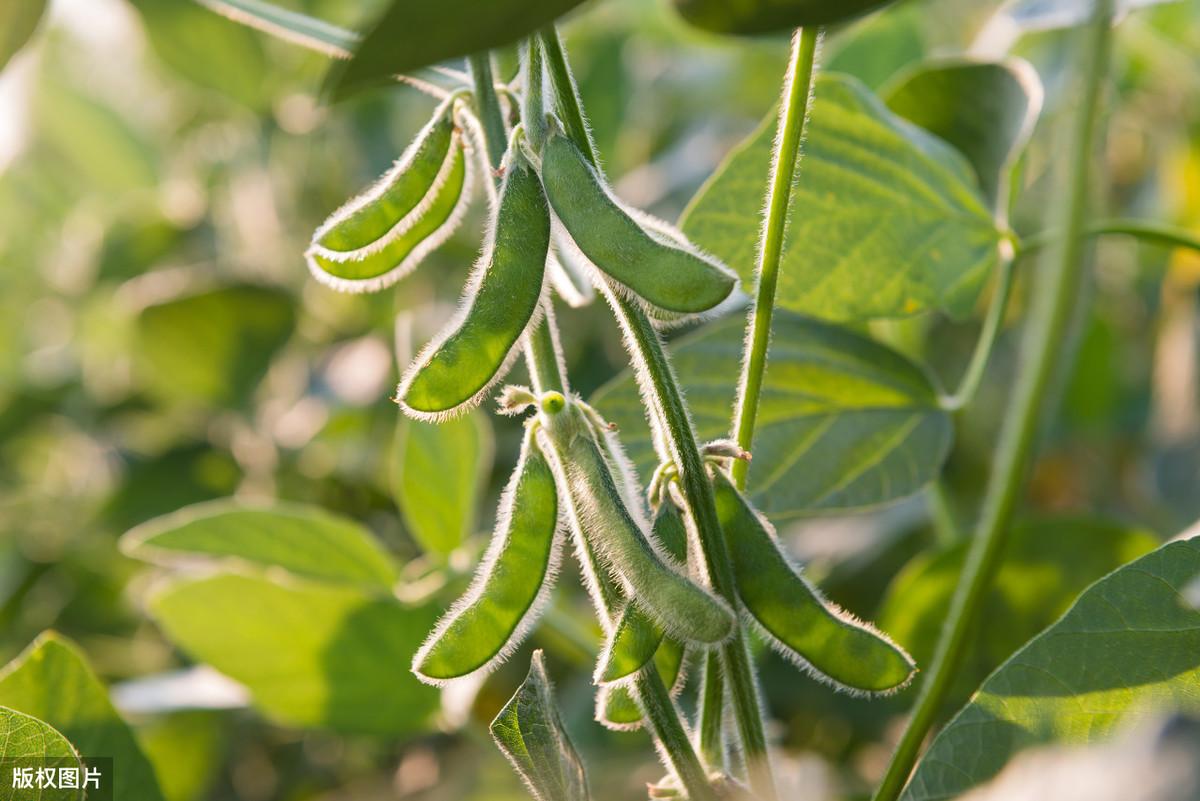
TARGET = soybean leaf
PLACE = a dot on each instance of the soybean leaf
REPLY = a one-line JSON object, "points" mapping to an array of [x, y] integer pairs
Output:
{"points": [[413, 34], [770, 16], [311, 654], [303, 540], [213, 347], [886, 219], [26, 741], [1047, 563], [1130, 645], [987, 110], [868, 415], [53, 682], [531, 734], [300, 29], [18, 20]]}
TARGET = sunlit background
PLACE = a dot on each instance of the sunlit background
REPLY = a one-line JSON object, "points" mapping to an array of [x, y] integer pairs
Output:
{"points": [[161, 172]]}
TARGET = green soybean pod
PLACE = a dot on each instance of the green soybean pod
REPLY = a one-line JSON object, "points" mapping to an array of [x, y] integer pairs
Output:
{"points": [[511, 584], [804, 627], [770, 16], [502, 297], [683, 608], [655, 267], [615, 707], [378, 269], [396, 201]]}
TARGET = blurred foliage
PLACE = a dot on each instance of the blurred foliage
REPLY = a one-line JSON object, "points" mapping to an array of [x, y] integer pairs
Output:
{"points": [[161, 171]]}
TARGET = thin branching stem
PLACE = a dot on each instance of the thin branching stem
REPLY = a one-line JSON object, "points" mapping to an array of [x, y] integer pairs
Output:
{"points": [[969, 384], [1168, 236], [1053, 304], [659, 383]]}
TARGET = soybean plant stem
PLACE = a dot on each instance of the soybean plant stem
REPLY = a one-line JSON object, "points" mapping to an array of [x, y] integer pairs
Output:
{"points": [[1145, 230], [1053, 302], [793, 112], [487, 105], [663, 719], [654, 372], [969, 384]]}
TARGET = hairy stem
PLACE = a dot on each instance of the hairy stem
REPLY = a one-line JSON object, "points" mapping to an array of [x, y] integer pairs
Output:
{"points": [[793, 113], [487, 105], [664, 721], [1053, 302], [659, 384]]}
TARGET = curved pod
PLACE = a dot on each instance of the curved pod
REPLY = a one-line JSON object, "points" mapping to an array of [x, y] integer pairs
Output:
{"points": [[770, 16]]}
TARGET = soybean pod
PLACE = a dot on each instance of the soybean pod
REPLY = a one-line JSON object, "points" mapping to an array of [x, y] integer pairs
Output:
{"points": [[667, 273], [769, 16], [684, 609], [456, 370], [439, 216], [511, 583], [805, 628]]}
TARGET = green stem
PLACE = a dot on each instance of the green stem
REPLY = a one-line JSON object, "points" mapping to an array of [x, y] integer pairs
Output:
{"points": [[1168, 236], [969, 384], [542, 355], [1053, 302], [792, 115], [663, 719], [941, 512], [487, 105], [658, 381]]}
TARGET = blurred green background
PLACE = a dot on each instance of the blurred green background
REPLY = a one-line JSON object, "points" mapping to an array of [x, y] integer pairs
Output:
{"points": [[161, 172]]}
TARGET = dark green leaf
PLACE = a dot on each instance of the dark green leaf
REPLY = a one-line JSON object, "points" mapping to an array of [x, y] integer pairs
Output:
{"points": [[886, 219], [530, 733], [770, 16], [868, 416], [1129, 646], [18, 20]]}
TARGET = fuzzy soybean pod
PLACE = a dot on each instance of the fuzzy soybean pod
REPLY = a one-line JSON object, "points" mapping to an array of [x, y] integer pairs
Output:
{"points": [[615, 707], [660, 270], [805, 628], [424, 229], [502, 297], [511, 584], [770, 16], [684, 609]]}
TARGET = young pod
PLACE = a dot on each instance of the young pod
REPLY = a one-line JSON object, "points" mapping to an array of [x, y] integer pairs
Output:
{"points": [[798, 622], [422, 230], [770, 16], [501, 299], [684, 609], [511, 584], [615, 707], [669, 274]]}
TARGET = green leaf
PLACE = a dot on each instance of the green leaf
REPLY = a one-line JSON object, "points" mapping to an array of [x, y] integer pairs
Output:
{"points": [[213, 347], [311, 654], [868, 416], [416, 34], [438, 475], [770, 16], [530, 733], [18, 20], [987, 110], [53, 682], [1046, 565], [303, 540], [1128, 647], [292, 26], [26, 741], [886, 219]]}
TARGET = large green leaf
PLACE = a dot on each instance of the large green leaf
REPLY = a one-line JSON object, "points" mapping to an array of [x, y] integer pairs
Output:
{"points": [[438, 473], [886, 219], [303, 540], [530, 733], [413, 34], [1129, 646], [311, 654], [214, 346], [52, 682], [844, 423], [26, 742], [18, 20], [985, 109], [1046, 565]]}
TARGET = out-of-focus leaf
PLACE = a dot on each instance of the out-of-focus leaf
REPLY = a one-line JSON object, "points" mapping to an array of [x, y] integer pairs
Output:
{"points": [[18, 20], [987, 110], [886, 220], [1029, 16], [215, 346], [1130, 646], [414, 34], [877, 48], [312, 654], [1046, 565], [155, 485], [287, 24], [303, 540], [770, 16], [438, 473], [186, 750], [52, 681], [867, 415], [530, 733], [27, 742]]}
